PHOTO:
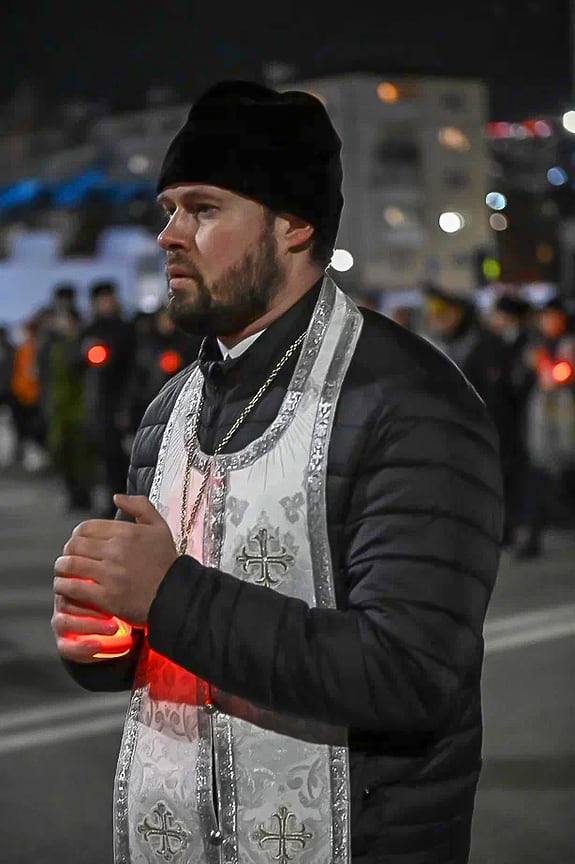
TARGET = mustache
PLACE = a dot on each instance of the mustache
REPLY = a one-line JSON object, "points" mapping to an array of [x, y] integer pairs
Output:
{"points": [[175, 260]]}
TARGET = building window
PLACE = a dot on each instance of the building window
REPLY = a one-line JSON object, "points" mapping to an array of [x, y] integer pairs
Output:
{"points": [[396, 158]]}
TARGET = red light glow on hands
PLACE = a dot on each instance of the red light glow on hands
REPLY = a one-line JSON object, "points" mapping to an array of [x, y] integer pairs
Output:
{"points": [[116, 645]]}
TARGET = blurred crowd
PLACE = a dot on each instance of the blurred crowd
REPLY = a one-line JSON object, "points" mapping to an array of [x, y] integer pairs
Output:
{"points": [[77, 387], [521, 360]]}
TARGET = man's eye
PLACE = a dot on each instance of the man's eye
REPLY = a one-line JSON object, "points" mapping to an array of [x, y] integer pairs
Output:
{"points": [[205, 208]]}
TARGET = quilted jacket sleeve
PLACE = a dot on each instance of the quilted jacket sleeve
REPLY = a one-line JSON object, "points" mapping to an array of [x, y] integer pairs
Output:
{"points": [[421, 554]]}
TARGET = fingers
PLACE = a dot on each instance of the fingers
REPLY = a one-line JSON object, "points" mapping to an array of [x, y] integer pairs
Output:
{"points": [[67, 625], [78, 566], [137, 506], [87, 547], [83, 592], [63, 604], [79, 652], [102, 529]]}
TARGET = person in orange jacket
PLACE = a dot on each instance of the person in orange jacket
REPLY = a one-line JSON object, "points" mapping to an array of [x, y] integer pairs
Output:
{"points": [[25, 388]]}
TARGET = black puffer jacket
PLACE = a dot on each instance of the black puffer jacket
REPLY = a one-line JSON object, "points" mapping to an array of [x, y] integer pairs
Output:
{"points": [[415, 512]]}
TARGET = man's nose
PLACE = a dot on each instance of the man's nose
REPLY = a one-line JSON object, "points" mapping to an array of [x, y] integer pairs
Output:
{"points": [[173, 236]]}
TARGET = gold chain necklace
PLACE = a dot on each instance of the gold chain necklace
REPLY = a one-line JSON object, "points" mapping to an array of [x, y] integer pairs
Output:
{"points": [[186, 528]]}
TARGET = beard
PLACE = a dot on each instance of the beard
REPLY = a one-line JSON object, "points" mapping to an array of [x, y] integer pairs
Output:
{"points": [[242, 294]]}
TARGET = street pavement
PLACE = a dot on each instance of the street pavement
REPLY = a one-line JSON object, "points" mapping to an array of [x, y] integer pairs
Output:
{"points": [[58, 744]]}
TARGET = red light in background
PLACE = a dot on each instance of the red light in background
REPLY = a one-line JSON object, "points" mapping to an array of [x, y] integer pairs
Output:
{"points": [[562, 372], [97, 354], [498, 130], [170, 361]]}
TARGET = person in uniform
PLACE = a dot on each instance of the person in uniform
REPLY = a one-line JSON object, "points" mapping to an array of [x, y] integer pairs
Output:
{"points": [[308, 544], [509, 319], [161, 352], [108, 347], [452, 323], [551, 427]]}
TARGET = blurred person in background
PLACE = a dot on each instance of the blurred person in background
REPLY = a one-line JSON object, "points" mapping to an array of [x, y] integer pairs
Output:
{"points": [[161, 352], [108, 348], [67, 438], [402, 315], [25, 386], [452, 323], [6, 368], [310, 538], [509, 318], [63, 301], [551, 426]]}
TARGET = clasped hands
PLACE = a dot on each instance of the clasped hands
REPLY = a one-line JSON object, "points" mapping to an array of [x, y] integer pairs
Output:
{"points": [[109, 568]]}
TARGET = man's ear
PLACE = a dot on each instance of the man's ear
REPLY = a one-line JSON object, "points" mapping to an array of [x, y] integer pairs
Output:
{"points": [[295, 232]]}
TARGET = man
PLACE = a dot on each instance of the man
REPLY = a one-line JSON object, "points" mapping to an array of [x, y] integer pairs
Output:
{"points": [[62, 305], [309, 578], [67, 439], [551, 426], [160, 353], [108, 348], [508, 320], [452, 323]]}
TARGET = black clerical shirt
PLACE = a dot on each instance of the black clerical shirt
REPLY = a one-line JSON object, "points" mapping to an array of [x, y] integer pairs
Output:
{"points": [[230, 384]]}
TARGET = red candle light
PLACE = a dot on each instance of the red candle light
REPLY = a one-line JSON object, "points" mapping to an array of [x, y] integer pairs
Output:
{"points": [[116, 645]]}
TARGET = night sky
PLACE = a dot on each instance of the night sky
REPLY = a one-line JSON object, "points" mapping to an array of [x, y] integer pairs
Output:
{"points": [[116, 51]]}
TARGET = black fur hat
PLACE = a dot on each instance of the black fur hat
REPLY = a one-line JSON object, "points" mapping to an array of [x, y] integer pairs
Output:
{"points": [[279, 148]]}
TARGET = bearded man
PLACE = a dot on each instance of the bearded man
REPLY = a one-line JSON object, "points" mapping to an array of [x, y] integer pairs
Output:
{"points": [[315, 513]]}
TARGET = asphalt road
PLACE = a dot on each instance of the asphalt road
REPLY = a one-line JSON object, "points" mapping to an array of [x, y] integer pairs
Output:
{"points": [[58, 745]]}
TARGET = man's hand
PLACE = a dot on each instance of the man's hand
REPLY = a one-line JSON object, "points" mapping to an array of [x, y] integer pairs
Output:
{"points": [[116, 567], [70, 620]]}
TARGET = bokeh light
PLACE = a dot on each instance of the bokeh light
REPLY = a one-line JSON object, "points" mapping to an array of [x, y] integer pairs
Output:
{"points": [[557, 176], [342, 260], [498, 221], [562, 371], [496, 200], [394, 216], [138, 164], [453, 138], [388, 92], [491, 268], [451, 222]]}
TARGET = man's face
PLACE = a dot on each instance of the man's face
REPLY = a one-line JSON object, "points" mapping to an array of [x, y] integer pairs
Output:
{"points": [[222, 262]]}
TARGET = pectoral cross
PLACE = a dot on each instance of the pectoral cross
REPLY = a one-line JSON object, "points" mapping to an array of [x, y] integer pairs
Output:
{"points": [[166, 831], [283, 836], [265, 560]]}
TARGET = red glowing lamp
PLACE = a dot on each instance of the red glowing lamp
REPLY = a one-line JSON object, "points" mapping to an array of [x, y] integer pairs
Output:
{"points": [[116, 645], [97, 354], [561, 372], [170, 362]]}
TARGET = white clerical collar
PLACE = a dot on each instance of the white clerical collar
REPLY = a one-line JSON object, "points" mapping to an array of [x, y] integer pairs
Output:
{"points": [[242, 346]]}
